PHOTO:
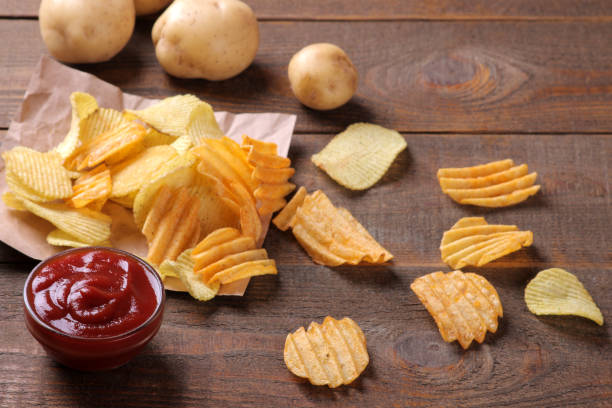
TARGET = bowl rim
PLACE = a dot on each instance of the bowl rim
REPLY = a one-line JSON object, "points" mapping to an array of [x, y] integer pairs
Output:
{"points": [[158, 310]]}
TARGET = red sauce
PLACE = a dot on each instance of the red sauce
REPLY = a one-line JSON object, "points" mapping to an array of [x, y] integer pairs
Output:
{"points": [[93, 293], [93, 308]]}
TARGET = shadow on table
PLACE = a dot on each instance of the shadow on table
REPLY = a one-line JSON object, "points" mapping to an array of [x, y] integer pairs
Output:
{"points": [[148, 380]]}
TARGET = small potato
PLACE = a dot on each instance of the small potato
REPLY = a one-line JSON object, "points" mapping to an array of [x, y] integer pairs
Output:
{"points": [[322, 76], [86, 31], [210, 39], [144, 7]]}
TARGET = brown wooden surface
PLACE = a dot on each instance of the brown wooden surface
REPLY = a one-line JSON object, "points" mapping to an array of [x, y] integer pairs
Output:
{"points": [[544, 88], [397, 9]]}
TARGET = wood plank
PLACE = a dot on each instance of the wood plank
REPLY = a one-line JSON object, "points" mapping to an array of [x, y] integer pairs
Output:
{"points": [[397, 9], [415, 76]]}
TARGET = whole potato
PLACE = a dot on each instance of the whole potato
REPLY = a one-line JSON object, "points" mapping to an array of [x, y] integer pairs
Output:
{"points": [[144, 7], [210, 39], [322, 76], [85, 31]]}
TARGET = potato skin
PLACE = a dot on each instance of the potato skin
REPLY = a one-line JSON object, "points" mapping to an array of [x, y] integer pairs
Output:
{"points": [[86, 31], [144, 7], [210, 39], [322, 76]]}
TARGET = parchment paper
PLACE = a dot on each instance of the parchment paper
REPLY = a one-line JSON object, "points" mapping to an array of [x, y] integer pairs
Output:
{"points": [[43, 121]]}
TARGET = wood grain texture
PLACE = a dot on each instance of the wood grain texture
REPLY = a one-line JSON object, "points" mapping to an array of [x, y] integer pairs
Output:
{"points": [[228, 352], [396, 9], [500, 77]]}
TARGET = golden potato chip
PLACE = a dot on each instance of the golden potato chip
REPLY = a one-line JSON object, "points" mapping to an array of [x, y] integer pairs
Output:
{"points": [[95, 185], [464, 305], [110, 147], [203, 125], [331, 354], [84, 224], [271, 174], [37, 175], [12, 201], [220, 158], [182, 144], [332, 236], [556, 291], [83, 105], [129, 175], [182, 268], [286, 217], [58, 237], [172, 224], [361, 155], [226, 255], [153, 137], [181, 115], [472, 241], [495, 184]]}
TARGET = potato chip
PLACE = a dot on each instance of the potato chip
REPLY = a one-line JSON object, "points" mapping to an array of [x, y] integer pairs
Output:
{"points": [[37, 175], [556, 291], [472, 241], [495, 184], [361, 155], [58, 237], [98, 122], [93, 186], [331, 354], [226, 255], [203, 125], [182, 268], [181, 115], [153, 137], [83, 105], [464, 305], [271, 174], [85, 225], [330, 235], [172, 224], [129, 175], [110, 147]]}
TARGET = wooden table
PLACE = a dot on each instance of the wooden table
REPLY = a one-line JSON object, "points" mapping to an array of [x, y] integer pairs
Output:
{"points": [[465, 82]]}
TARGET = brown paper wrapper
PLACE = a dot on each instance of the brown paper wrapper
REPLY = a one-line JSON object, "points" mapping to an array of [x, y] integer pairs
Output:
{"points": [[44, 120]]}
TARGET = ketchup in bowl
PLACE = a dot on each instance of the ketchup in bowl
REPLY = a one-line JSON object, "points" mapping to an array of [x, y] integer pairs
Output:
{"points": [[93, 308]]}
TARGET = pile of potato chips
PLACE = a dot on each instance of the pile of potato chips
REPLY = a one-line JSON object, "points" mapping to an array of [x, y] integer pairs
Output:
{"points": [[170, 164]]}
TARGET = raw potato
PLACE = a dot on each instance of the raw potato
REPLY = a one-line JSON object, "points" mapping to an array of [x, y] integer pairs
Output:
{"points": [[322, 76], [86, 31], [210, 39], [144, 7]]}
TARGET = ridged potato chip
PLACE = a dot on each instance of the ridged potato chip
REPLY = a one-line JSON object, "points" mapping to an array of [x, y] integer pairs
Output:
{"points": [[286, 217], [110, 147], [495, 184], [129, 175], [330, 235], [172, 225], [271, 173], [472, 241], [83, 105], [464, 305], [181, 115], [58, 237], [556, 291], [85, 225], [223, 162], [226, 255], [94, 187], [361, 155], [37, 175], [182, 268], [331, 354]]}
